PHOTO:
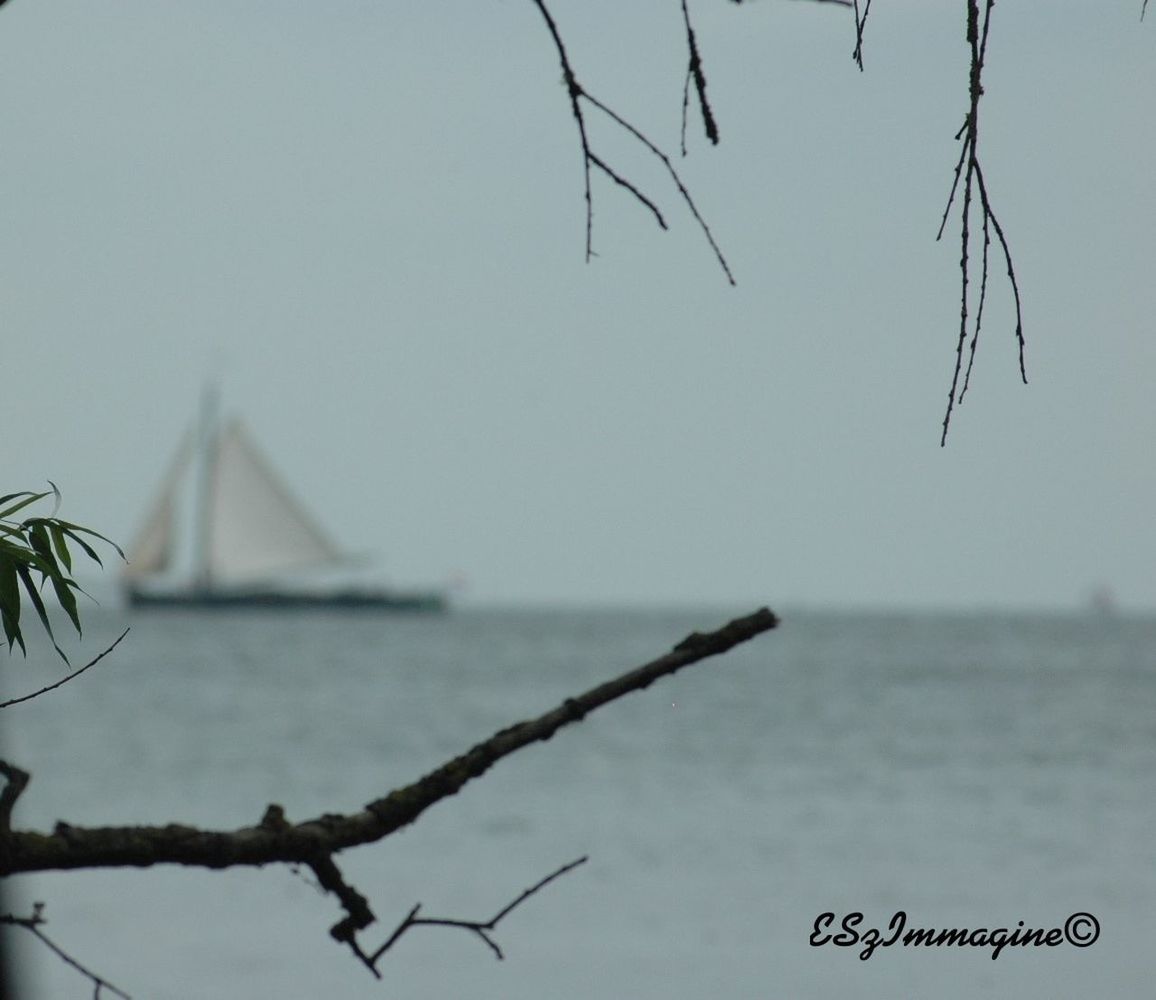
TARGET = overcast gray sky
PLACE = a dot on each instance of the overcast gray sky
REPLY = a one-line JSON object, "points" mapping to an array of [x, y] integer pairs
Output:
{"points": [[366, 218]]}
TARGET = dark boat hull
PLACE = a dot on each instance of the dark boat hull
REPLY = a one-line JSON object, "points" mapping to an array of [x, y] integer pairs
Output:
{"points": [[423, 602]]}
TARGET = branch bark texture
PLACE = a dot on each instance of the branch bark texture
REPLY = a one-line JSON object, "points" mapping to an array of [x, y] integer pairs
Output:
{"points": [[275, 840]]}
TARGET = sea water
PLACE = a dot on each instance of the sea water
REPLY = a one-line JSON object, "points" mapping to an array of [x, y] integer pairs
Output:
{"points": [[970, 771]]}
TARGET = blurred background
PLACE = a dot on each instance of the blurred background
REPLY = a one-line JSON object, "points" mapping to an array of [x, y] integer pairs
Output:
{"points": [[364, 224]]}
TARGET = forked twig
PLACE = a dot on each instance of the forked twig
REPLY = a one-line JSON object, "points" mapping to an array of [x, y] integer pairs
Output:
{"points": [[578, 94], [481, 928], [614, 116]]}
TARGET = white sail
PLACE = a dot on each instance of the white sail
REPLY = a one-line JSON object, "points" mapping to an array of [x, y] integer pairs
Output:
{"points": [[255, 528], [154, 548], [224, 532]]}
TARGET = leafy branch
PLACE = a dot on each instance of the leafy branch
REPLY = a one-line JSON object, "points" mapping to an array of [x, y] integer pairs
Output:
{"points": [[39, 545]]}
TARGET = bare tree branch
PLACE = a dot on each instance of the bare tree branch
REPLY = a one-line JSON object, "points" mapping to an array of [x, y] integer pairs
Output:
{"points": [[15, 781], [76, 673], [694, 71], [613, 115], [968, 168], [618, 179], [860, 24], [315, 842], [68, 847], [577, 94], [481, 928]]}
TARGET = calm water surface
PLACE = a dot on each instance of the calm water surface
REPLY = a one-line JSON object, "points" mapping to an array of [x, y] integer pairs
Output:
{"points": [[970, 770]]}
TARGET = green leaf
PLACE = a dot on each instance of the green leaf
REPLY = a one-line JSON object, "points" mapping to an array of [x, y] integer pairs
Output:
{"points": [[9, 591], [73, 528], [32, 498], [38, 537], [40, 545], [38, 604], [67, 600], [10, 603], [88, 549], [58, 541], [23, 556], [12, 634]]}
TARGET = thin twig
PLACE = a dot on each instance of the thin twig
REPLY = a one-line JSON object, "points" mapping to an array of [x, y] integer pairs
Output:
{"points": [[979, 310], [577, 93], [860, 25], [71, 677], [1011, 273], [33, 923], [481, 928], [574, 91], [973, 183], [685, 109], [618, 179], [694, 69], [614, 116], [964, 149]]}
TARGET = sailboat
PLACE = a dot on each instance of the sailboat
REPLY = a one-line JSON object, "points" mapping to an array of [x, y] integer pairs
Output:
{"points": [[249, 543]]}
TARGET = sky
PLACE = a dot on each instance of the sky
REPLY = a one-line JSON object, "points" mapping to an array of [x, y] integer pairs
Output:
{"points": [[365, 222]]}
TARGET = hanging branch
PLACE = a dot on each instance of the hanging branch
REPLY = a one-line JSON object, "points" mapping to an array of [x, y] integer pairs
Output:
{"points": [[32, 925], [968, 167], [860, 24], [578, 95], [694, 71]]}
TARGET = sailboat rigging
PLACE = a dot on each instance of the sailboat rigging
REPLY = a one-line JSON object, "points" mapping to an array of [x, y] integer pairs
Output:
{"points": [[250, 536]]}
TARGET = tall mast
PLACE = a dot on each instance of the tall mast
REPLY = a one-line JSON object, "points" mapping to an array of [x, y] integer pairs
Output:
{"points": [[206, 486]]}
